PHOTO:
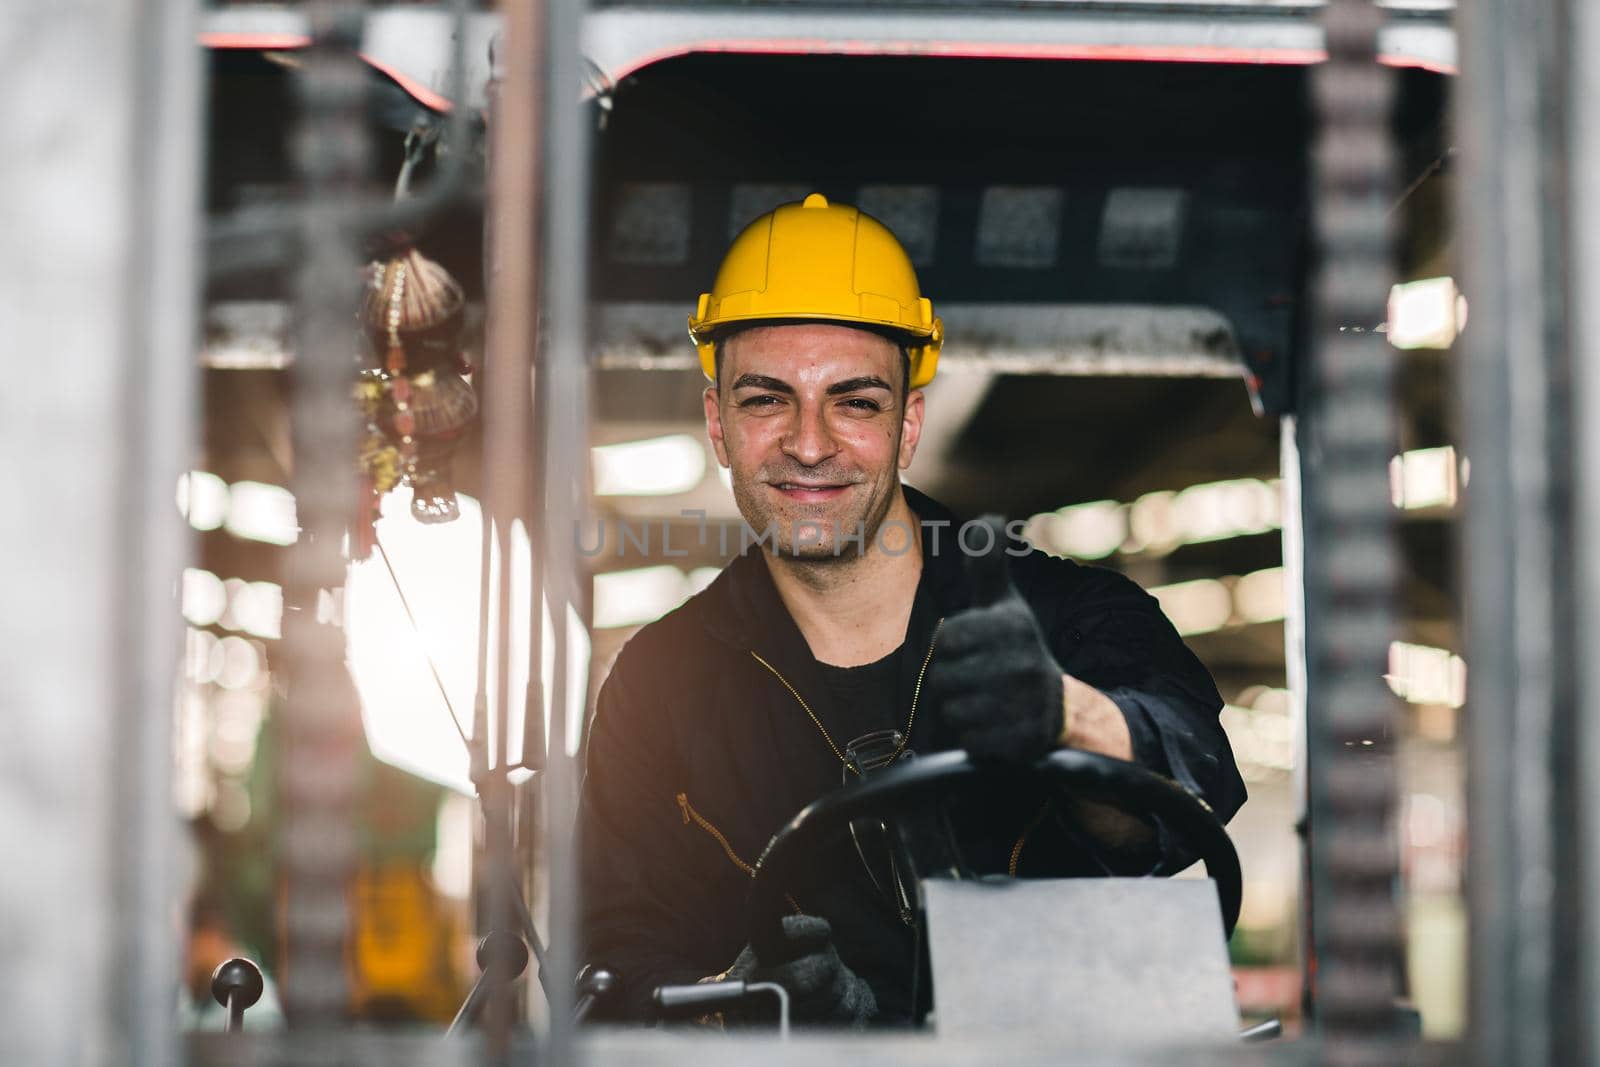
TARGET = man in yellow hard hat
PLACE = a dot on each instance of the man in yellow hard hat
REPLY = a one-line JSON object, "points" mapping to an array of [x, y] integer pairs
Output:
{"points": [[864, 622]]}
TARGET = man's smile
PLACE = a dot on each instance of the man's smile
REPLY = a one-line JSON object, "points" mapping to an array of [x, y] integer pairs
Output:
{"points": [[811, 492]]}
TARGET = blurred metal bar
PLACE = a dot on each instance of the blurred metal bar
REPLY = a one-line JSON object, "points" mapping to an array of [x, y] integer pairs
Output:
{"points": [[80, 457], [624, 37], [1583, 159], [1352, 567], [564, 381], [321, 727], [512, 335], [158, 440], [1516, 572]]}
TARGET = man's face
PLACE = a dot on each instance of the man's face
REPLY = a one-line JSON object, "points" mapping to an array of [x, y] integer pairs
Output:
{"points": [[811, 421]]}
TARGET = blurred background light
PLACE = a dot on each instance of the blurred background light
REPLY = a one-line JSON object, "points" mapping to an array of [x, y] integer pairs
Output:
{"points": [[203, 597], [1219, 510], [635, 597], [1157, 523], [1195, 607], [1082, 531], [406, 721], [657, 466], [1425, 675], [241, 664], [202, 656], [261, 512], [452, 856], [1261, 733], [202, 499], [1260, 596], [701, 577], [1424, 478], [1430, 313]]}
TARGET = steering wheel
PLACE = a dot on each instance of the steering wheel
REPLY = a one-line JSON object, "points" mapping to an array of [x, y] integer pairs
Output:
{"points": [[1128, 785]]}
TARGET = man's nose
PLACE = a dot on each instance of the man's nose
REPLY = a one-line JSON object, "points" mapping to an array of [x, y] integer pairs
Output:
{"points": [[808, 441]]}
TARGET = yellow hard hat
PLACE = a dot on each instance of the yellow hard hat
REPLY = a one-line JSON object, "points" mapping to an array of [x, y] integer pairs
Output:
{"points": [[816, 261]]}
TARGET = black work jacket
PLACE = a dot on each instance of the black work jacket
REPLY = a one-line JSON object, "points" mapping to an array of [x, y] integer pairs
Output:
{"points": [[698, 753]]}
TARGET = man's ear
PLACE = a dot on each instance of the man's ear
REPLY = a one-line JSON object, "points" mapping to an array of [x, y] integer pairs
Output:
{"points": [[910, 427], [713, 404]]}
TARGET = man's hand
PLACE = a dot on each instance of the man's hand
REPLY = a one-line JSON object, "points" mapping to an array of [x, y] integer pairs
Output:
{"points": [[821, 988], [1000, 690]]}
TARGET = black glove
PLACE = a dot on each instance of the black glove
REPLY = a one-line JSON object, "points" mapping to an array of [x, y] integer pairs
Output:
{"points": [[821, 988], [995, 682]]}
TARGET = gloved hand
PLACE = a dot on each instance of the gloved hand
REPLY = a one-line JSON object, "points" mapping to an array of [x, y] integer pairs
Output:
{"points": [[998, 687], [821, 988]]}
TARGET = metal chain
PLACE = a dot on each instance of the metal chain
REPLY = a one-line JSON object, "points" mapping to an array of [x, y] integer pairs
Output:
{"points": [[320, 726], [1352, 565]]}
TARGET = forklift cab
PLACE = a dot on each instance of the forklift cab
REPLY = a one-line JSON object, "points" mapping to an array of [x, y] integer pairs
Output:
{"points": [[1115, 217], [1117, 237]]}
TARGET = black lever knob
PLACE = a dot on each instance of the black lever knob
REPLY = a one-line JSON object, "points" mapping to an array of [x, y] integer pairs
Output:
{"points": [[594, 985], [503, 949], [236, 984], [596, 982]]}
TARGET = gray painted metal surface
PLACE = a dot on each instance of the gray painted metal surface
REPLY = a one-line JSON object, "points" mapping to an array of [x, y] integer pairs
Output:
{"points": [[1072, 339], [1095, 963], [1525, 886], [623, 39], [620, 38], [158, 437], [92, 295], [562, 388], [1584, 159]]}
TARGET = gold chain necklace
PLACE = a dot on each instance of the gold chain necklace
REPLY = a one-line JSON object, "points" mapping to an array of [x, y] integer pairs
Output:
{"points": [[916, 694]]}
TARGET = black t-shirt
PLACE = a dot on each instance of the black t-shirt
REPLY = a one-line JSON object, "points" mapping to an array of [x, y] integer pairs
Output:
{"points": [[865, 699], [868, 699]]}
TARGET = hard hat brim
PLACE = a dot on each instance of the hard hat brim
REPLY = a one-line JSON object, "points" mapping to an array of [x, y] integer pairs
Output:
{"points": [[922, 345]]}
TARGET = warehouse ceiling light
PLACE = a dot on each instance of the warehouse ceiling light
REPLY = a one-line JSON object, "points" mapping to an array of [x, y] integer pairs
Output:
{"points": [[657, 466], [202, 499], [261, 512], [1425, 478], [1159, 522], [1430, 313], [1422, 674]]}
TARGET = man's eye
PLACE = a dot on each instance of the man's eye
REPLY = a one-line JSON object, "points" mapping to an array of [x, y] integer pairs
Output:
{"points": [[861, 403], [762, 401]]}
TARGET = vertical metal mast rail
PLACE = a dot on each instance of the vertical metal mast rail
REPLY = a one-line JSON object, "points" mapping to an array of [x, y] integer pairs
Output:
{"points": [[564, 381], [321, 730], [508, 383], [1523, 231], [156, 439], [1354, 568]]}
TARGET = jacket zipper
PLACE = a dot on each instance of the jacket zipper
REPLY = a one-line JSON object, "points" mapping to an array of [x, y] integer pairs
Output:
{"points": [[911, 719], [1027, 831], [690, 815]]}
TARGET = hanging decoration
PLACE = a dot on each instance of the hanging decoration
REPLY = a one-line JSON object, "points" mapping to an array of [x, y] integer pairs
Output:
{"points": [[415, 391]]}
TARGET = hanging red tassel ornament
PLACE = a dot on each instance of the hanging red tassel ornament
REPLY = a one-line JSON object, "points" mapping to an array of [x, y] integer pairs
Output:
{"points": [[419, 400]]}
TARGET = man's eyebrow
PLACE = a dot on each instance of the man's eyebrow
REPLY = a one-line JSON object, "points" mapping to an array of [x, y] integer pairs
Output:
{"points": [[761, 381], [850, 385]]}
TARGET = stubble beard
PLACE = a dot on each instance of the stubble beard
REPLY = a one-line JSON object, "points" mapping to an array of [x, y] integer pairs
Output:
{"points": [[845, 538]]}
